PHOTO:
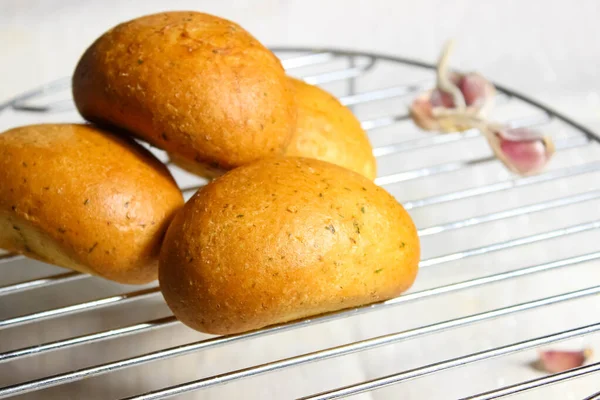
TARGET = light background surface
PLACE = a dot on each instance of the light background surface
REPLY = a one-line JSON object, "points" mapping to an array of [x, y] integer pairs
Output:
{"points": [[547, 49]]}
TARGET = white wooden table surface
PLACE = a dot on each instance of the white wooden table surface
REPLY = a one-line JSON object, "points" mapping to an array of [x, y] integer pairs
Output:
{"points": [[548, 49]]}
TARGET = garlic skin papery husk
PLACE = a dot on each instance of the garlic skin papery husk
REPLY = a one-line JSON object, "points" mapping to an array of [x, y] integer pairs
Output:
{"points": [[523, 151], [456, 99]]}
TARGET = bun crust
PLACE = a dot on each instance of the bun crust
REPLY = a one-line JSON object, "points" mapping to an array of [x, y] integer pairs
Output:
{"points": [[195, 85], [81, 198], [281, 239]]}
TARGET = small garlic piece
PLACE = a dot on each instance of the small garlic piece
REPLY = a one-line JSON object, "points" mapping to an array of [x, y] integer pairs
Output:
{"points": [[521, 150], [456, 99], [555, 361]]}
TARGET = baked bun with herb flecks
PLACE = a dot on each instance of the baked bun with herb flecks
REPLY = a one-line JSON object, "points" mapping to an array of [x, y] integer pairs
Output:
{"points": [[85, 199], [198, 86], [282, 239]]}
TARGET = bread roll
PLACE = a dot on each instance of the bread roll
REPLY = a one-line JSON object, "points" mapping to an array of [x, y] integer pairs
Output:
{"points": [[81, 198], [281, 239], [328, 131], [198, 86]]}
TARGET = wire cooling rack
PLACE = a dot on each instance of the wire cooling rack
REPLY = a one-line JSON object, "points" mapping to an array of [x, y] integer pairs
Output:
{"points": [[509, 265]]}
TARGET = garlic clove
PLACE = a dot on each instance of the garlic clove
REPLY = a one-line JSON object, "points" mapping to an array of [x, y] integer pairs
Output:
{"points": [[421, 112], [525, 155], [523, 151], [555, 361], [474, 88], [456, 99], [439, 98]]}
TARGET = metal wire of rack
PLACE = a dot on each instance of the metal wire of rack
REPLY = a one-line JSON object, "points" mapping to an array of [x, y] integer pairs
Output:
{"points": [[346, 71]]}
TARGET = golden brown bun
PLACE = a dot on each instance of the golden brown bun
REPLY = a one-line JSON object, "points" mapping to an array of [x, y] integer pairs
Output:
{"points": [[281, 239], [84, 199], [198, 86], [328, 131]]}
